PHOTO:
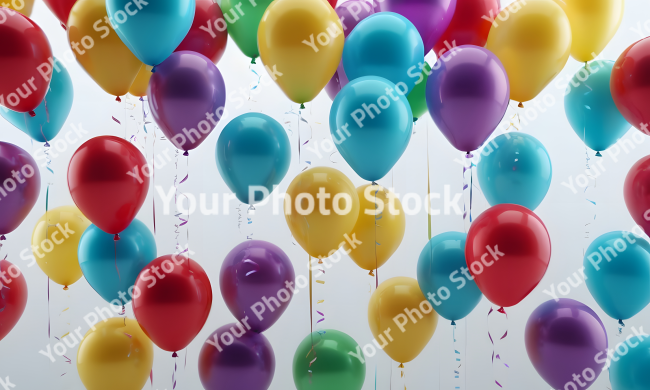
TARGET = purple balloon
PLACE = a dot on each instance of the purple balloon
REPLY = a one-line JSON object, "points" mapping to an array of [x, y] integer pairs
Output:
{"points": [[230, 360], [430, 17], [20, 185], [467, 95], [564, 338], [253, 283], [350, 13], [187, 97]]}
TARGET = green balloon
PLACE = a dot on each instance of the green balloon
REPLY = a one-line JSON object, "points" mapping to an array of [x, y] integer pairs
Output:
{"points": [[334, 368], [243, 18], [417, 98]]}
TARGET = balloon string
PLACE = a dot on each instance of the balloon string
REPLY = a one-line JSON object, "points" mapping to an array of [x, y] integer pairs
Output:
{"points": [[48, 310], [457, 356], [621, 325], [174, 372], [428, 185], [300, 144], [468, 167], [494, 354]]}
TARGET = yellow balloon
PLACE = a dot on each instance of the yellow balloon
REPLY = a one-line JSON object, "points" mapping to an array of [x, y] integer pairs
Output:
{"points": [[300, 69], [382, 221], [141, 83], [55, 241], [23, 6], [99, 50], [593, 25], [117, 354], [401, 318], [532, 38], [321, 225]]}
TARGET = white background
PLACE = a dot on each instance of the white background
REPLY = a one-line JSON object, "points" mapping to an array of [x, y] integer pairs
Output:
{"points": [[568, 216]]}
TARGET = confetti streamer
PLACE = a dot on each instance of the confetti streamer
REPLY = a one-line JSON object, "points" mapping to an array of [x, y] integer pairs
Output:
{"points": [[496, 356]]}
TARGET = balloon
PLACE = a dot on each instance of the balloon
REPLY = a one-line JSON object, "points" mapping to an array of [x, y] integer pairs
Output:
{"points": [[19, 192], [630, 371], [617, 273], [593, 25], [338, 81], [376, 138], [247, 362], [108, 179], [470, 25], [300, 69], [430, 17], [333, 3], [590, 108], [469, 79], [55, 240], [380, 227], [242, 20], [253, 273], [253, 150], [507, 252], [172, 301], [417, 98], [53, 111], [115, 354], [449, 289], [637, 192], [533, 41], [108, 61], [628, 84], [24, 56], [565, 339], [152, 30], [208, 34], [515, 168], [399, 301], [13, 297], [335, 368], [61, 9], [385, 45], [23, 6], [187, 92], [112, 267], [322, 229], [141, 82]]}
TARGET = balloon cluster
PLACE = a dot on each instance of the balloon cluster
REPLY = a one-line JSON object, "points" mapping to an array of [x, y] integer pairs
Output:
{"points": [[370, 59]]}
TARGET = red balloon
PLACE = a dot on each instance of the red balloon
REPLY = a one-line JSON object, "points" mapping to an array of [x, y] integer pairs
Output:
{"points": [[208, 40], [61, 9], [629, 84], [172, 300], [13, 297], [636, 191], [333, 3], [23, 51], [507, 251], [467, 26], [108, 179]]}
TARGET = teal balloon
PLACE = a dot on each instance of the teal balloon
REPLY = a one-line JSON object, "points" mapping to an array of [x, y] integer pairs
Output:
{"points": [[253, 150], [371, 127], [617, 271], [152, 30], [440, 276], [515, 168], [53, 111], [386, 45], [111, 267], [632, 370], [590, 108]]}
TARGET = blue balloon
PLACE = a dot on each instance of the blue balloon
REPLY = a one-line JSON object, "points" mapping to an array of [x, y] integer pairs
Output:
{"points": [[441, 278], [386, 45], [53, 111], [590, 108], [253, 150], [100, 259], [617, 272], [515, 168], [151, 30], [630, 371], [371, 125]]}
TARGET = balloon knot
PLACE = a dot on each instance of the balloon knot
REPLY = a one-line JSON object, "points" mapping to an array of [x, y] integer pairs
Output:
{"points": [[47, 144], [253, 61], [186, 153], [2, 237], [153, 69], [302, 106], [65, 288], [521, 105], [598, 154], [117, 99], [374, 183], [116, 237], [64, 27], [401, 365], [174, 355], [415, 119], [32, 114], [371, 273], [453, 323], [620, 322]]}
